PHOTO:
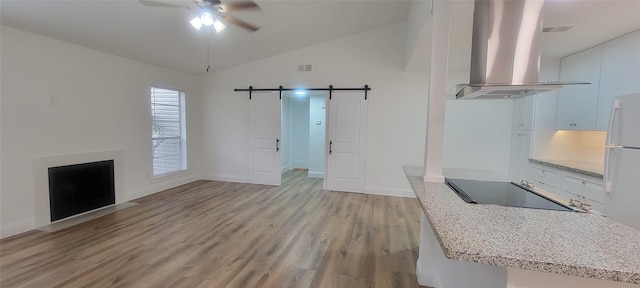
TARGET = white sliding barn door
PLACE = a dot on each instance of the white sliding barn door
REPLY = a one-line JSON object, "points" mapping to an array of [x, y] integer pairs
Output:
{"points": [[264, 139], [347, 142]]}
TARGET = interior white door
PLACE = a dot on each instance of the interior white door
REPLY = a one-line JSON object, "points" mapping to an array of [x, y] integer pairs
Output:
{"points": [[347, 126], [264, 142]]}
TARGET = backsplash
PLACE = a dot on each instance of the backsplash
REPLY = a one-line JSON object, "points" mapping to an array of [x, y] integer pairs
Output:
{"points": [[587, 146]]}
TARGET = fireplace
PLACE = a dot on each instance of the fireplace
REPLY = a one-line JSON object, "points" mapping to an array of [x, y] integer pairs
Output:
{"points": [[79, 188]]}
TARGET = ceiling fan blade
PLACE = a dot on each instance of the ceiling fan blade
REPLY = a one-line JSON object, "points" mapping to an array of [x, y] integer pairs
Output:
{"points": [[160, 3], [230, 7], [241, 23]]}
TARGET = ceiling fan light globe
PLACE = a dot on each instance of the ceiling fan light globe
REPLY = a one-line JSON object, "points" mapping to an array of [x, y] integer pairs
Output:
{"points": [[218, 26], [207, 19], [196, 22]]}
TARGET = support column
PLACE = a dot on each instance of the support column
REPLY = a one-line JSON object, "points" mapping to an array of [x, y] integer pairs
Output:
{"points": [[437, 91], [425, 267]]}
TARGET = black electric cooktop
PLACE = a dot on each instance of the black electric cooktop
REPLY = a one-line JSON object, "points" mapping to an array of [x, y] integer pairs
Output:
{"points": [[501, 193]]}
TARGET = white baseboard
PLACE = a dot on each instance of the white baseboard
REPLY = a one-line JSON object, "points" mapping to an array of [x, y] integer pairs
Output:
{"points": [[84, 217], [389, 192], [157, 186], [161, 185], [226, 178], [427, 277], [17, 227], [315, 174]]}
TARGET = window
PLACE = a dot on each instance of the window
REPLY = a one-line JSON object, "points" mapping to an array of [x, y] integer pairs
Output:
{"points": [[168, 131]]}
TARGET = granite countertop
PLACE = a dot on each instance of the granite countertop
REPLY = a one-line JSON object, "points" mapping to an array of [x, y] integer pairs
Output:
{"points": [[575, 166], [569, 243]]}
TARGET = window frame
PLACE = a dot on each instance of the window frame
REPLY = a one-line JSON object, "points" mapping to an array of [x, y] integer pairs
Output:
{"points": [[183, 131]]}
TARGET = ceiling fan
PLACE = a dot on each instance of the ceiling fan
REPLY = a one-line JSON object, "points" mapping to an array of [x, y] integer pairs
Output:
{"points": [[211, 12]]}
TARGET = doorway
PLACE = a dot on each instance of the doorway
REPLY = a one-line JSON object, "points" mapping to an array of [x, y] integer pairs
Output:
{"points": [[304, 132]]}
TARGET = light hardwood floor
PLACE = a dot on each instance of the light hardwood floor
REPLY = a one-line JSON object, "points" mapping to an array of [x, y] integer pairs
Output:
{"points": [[218, 234]]}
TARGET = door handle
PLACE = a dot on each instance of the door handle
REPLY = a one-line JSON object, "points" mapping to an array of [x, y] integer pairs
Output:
{"points": [[330, 147], [277, 144], [607, 170], [609, 146], [612, 118]]}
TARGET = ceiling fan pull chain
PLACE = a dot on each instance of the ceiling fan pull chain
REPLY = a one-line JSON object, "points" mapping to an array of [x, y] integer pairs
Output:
{"points": [[208, 51]]}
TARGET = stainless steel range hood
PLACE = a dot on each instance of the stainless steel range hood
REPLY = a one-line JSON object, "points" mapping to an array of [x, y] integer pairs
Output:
{"points": [[505, 51]]}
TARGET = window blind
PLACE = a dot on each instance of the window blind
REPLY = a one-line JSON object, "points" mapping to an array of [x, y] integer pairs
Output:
{"points": [[168, 141]]}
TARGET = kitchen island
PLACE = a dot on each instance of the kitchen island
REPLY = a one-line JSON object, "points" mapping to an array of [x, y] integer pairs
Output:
{"points": [[477, 245]]}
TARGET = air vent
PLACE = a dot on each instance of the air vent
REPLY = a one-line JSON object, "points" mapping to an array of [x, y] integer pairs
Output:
{"points": [[304, 67], [557, 29]]}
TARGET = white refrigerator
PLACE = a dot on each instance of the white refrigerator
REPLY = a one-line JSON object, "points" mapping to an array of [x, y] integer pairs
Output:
{"points": [[622, 162]]}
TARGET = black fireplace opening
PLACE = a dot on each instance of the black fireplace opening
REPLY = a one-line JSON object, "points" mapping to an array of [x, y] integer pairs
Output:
{"points": [[74, 189]]}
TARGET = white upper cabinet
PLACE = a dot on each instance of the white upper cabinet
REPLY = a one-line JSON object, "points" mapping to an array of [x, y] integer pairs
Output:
{"points": [[578, 104], [620, 73], [613, 68]]}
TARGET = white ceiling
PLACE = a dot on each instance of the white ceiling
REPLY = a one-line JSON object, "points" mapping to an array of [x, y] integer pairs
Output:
{"points": [[594, 21], [163, 36]]}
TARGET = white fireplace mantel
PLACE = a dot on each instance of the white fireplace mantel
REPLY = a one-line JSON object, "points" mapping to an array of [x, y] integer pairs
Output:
{"points": [[41, 165]]}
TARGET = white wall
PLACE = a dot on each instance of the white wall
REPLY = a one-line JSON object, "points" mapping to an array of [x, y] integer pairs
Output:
{"points": [[101, 102], [317, 132], [477, 133], [300, 132], [418, 48], [396, 104]]}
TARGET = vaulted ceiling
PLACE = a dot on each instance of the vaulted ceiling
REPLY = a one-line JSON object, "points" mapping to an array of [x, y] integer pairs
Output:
{"points": [[162, 36]]}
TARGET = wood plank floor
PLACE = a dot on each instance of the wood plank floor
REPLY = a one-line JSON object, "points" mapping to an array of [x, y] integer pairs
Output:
{"points": [[218, 234]]}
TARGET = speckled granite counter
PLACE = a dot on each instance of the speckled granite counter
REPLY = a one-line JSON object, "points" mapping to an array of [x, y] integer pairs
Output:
{"points": [[569, 243], [575, 166]]}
